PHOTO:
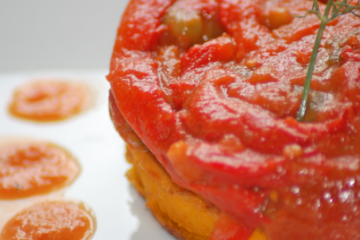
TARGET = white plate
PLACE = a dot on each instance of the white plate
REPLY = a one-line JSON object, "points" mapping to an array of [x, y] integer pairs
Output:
{"points": [[91, 138]]}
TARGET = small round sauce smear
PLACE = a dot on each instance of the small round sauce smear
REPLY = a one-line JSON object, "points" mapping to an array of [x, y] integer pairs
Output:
{"points": [[29, 168], [51, 220], [46, 101]]}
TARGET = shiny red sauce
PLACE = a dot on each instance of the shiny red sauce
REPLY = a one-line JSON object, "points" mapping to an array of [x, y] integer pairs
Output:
{"points": [[218, 109], [51, 100], [29, 168], [50, 220]]}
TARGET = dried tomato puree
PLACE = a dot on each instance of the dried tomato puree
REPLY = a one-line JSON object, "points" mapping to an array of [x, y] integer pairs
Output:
{"points": [[29, 168], [51, 220], [212, 88], [50, 100]]}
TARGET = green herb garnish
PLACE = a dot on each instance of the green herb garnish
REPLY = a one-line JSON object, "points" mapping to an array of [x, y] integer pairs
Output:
{"points": [[332, 11]]}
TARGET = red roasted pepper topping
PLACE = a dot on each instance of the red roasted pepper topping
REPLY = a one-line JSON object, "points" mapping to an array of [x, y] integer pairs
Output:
{"points": [[218, 109]]}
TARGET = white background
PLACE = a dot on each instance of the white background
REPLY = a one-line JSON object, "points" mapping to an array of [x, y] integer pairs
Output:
{"points": [[57, 34]]}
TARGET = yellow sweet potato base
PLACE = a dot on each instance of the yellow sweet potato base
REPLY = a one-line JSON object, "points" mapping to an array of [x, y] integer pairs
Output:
{"points": [[181, 212]]}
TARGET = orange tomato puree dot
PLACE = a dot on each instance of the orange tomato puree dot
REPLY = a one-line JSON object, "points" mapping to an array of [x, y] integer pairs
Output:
{"points": [[50, 220], [52, 100], [31, 168]]}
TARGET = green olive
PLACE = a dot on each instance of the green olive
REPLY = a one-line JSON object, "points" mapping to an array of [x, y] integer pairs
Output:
{"points": [[185, 25], [212, 27]]}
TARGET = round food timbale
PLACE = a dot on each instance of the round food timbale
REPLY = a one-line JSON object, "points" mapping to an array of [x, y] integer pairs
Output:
{"points": [[212, 88]]}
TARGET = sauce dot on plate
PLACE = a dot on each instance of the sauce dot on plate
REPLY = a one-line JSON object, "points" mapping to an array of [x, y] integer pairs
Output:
{"points": [[52, 100], [32, 167], [50, 221]]}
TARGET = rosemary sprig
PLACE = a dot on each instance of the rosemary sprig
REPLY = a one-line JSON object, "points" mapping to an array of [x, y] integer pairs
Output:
{"points": [[332, 11]]}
